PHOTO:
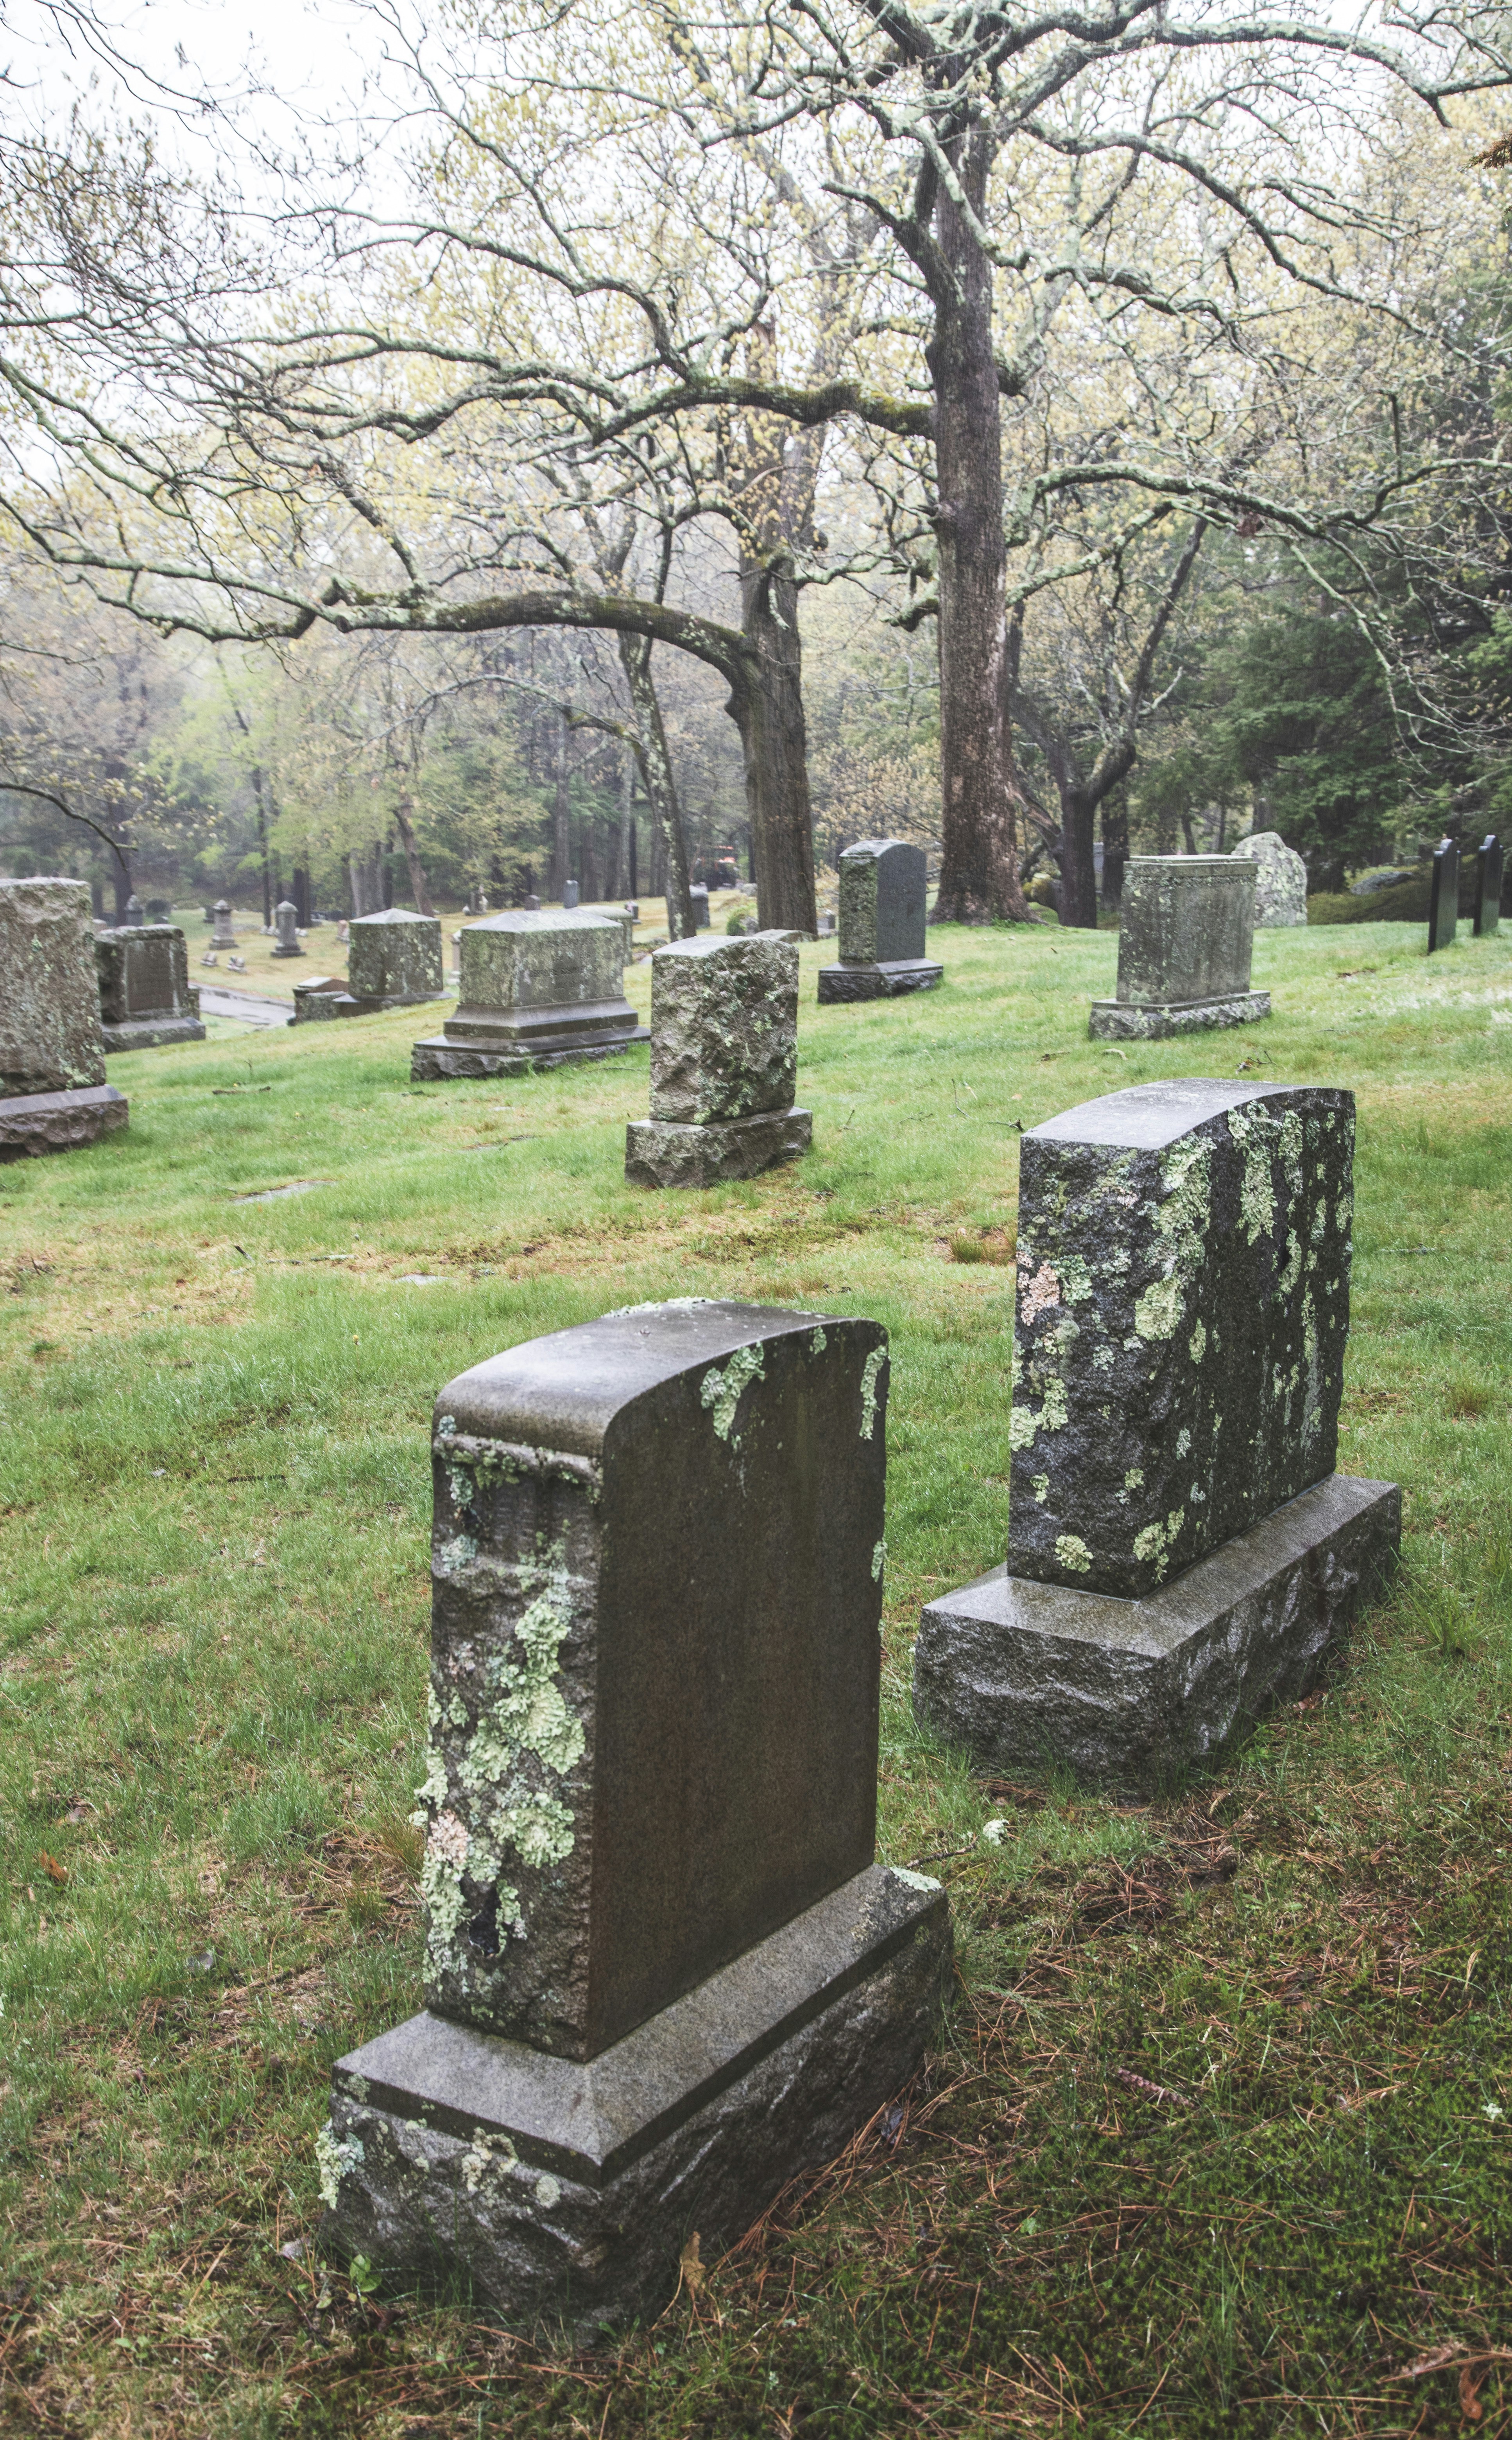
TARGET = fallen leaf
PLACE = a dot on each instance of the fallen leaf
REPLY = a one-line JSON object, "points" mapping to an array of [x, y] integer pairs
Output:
{"points": [[1470, 2406], [54, 1871], [692, 2261]]}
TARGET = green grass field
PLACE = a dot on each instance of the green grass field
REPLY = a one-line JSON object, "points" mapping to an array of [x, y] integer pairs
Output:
{"points": [[1217, 2137]]}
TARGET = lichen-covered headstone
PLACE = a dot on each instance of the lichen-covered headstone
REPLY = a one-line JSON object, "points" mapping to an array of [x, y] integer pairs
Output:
{"points": [[222, 935], [146, 998], [663, 1972], [725, 1064], [1183, 1308], [1487, 886], [394, 960], [1185, 942], [536, 990], [698, 898], [1444, 898], [286, 923], [136, 911], [1280, 880], [53, 1093], [883, 890]]}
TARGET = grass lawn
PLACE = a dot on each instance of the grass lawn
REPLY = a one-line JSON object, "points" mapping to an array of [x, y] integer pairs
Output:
{"points": [[1217, 2137]]}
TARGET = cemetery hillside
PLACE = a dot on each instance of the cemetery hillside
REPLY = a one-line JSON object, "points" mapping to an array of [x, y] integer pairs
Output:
{"points": [[756, 1186]]}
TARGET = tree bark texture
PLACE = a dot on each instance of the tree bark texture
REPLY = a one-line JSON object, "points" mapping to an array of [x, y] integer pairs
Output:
{"points": [[560, 872], [420, 887], [774, 737], [1114, 847], [660, 788]]}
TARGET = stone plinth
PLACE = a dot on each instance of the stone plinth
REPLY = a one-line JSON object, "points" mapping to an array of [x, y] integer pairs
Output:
{"points": [[1280, 880], [662, 1970], [724, 1061], [1443, 897], [1185, 942], [537, 991], [883, 889], [1487, 886], [42, 1122], [146, 998], [659, 1153]]}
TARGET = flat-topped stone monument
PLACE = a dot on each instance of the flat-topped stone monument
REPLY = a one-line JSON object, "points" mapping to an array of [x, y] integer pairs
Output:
{"points": [[53, 1093], [1185, 942], [537, 991], [1180, 1554], [1280, 880], [662, 1971], [1487, 886], [1444, 896], [393, 960], [146, 998], [883, 890], [724, 1063]]}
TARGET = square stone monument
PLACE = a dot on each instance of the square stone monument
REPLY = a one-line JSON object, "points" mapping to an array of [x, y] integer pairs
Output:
{"points": [[1185, 941], [1444, 896], [1182, 1555], [393, 960], [883, 889], [145, 994], [724, 1063], [53, 1093], [537, 991], [1487, 886], [663, 1972]]}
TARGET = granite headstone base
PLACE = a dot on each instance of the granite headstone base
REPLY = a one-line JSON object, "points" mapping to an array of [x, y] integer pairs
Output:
{"points": [[564, 2192], [1130, 1693], [888, 981], [664, 1152], [1118, 1020], [149, 1033], [312, 1004], [39, 1123], [543, 1037]]}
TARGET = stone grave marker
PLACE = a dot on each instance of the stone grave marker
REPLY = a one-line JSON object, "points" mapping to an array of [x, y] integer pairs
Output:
{"points": [[530, 902], [286, 923], [146, 998], [1182, 1555], [1487, 886], [699, 899], [316, 1000], [1280, 880], [537, 991], [663, 1972], [136, 911], [224, 934], [883, 890], [569, 897], [1186, 939], [1444, 896], [160, 910], [53, 1093], [724, 1063]]}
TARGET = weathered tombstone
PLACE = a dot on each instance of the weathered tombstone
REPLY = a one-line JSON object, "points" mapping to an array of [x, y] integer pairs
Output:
{"points": [[394, 960], [53, 1093], [160, 910], [145, 994], [827, 925], [210, 959], [456, 953], [1186, 939], [537, 991], [286, 923], [883, 889], [1182, 1555], [1280, 880], [1443, 899], [663, 1972], [136, 911], [699, 900], [316, 1000], [531, 904], [724, 1061], [223, 935], [632, 909], [1487, 886], [569, 897]]}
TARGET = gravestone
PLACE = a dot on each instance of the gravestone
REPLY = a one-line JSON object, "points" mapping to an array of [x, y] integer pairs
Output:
{"points": [[531, 904], [224, 935], [1487, 886], [1444, 896], [883, 889], [1182, 1555], [699, 899], [146, 998], [724, 1061], [537, 991], [286, 923], [663, 1972], [1280, 880], [315, 1000], [136, 911], [632, 909], [160, 910], [569, 897], [1185, 939], [53, 1093], [393, 960]]}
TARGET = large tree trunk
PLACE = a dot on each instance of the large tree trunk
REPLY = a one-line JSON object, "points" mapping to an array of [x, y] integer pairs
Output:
{"points": [[774, 737], [1114, 847], [979, 867], [419, 888], [657, 770], [560, 872]]}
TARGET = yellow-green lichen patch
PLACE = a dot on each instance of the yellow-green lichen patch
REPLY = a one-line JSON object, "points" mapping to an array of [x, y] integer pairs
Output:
{"points": [[335, 2157], [1072, 1553], [720, 1392], [1159, 1310], [869, 1390], [879, 1560]]}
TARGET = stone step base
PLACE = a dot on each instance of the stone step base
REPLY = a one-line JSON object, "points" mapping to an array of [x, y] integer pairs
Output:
{"points": [[885, 981], [1118, 1020], [550, 1029], [39, 1123], [660, 1152], [1130, 1694], [150, 1033], [311, 1006], [557, 2188], [439, 1057]]}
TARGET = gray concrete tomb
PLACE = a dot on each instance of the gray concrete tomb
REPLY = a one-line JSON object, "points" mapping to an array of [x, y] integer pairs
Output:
{"points": [[146, 998], [53, 1093], [1182, 1555], [537, 991], [663, 1973], [883, 893], [724, 1063], [1185, 941]]}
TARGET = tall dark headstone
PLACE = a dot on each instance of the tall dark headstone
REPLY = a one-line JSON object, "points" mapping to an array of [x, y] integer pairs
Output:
{"points": [[725, 1064], [1443, 897], [1487, 886], [1186, 944], [53, 1093], [146, 998], [883, 890], [1181, 1551], [537, 991], [663, 1972]]}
